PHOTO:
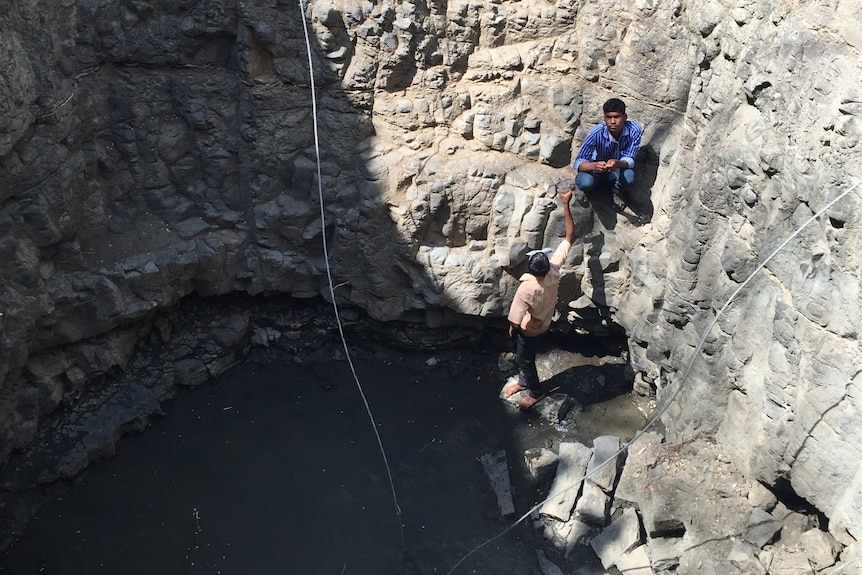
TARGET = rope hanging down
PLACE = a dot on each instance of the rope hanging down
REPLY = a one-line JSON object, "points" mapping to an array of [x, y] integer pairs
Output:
{"points": [[302, 9]]}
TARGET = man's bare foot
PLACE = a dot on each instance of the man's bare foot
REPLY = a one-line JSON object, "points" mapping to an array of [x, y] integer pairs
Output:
{"points": [[512, 389], [528, 401]]}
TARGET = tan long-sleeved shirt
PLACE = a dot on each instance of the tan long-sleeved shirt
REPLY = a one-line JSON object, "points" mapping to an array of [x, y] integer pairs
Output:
{"points": [[535, 300]]}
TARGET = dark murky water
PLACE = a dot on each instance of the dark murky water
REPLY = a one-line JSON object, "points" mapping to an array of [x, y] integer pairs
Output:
{"points": [[275, 469]]}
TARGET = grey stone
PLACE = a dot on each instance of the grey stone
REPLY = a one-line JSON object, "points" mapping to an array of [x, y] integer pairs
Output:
{"points": [[665, 552], [592, 505], [744, 556], [619, 537], [762, 528], [603, 467], [760, 496], [579, 534], [661, 515], [496, 467], [641, 456], [541, 462], [635, 562], [573, 460]]}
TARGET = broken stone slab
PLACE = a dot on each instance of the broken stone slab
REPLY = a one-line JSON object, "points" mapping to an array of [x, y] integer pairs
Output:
{"points": [[573, 460], [579, 534], [497, 469], [541, 462], [761, 529], [618, 538], [592, 506], [660, 515], [744, 557], [665, 552], [603, 468], [760, 496], [642, 454], [820, 548], [635, 562], [546, 566]]}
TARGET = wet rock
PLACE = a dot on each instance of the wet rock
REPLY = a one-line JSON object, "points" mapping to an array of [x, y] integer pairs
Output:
{"points": [[496, 467], [542, 463]]}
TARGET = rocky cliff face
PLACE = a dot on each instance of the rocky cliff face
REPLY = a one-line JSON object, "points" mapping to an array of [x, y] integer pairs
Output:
{"points": [[149, 150]]}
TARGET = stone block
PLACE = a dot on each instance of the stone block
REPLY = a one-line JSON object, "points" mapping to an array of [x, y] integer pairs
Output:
{"points": [[579, 534], [541, 462], [592, 506], [573, 460], [664, 553], [642, 454], [619, 537], [760, 496], [762, 528], [497, 469], [603, 467], [635, 562], [744, 557], [820, 548], [661, 515]]}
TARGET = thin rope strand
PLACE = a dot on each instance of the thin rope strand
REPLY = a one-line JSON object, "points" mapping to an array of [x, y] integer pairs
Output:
{"points": [[329, 276], [683, 380]]}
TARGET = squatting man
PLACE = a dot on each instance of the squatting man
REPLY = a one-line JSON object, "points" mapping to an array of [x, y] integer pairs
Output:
{"points": [[533, 306], [607, 156]]}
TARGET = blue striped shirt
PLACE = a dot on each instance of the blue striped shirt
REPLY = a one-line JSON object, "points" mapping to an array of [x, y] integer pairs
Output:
{"points": [[600, 145]]}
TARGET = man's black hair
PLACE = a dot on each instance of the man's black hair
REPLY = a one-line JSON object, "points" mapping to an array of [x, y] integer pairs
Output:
{"points": [[614, 105], [539, 265]]}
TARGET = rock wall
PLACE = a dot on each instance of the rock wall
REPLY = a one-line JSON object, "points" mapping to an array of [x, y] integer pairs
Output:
{"points": [[152, 150]]}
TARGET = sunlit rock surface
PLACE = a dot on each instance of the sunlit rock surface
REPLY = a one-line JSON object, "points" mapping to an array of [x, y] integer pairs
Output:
{"points": [[149, 151]]}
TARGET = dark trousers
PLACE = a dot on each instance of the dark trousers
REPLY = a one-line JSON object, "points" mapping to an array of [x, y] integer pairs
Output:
{"points": [[525, 356]]}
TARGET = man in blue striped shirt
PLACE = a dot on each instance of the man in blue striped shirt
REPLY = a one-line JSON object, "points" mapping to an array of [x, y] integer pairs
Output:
{"points": [[607, 156]]}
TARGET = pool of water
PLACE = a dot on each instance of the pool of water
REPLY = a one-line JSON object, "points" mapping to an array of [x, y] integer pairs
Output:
{"points": [[275, 468]]}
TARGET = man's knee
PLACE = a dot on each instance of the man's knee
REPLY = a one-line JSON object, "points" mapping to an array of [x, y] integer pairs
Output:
{"points": [[585, 182], [627, 179]]}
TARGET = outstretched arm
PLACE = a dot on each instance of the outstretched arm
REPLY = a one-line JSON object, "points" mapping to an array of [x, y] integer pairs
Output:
{"points": [[565, 197]]}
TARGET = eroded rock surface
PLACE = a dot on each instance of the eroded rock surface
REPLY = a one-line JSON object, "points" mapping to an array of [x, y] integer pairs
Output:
{"points": [[148, 152]]}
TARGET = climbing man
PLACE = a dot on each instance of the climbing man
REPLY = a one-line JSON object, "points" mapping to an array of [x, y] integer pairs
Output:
{"points": [[607, 156], [533, 307]]}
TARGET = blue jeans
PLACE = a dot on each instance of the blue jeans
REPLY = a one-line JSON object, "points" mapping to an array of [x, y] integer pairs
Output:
{"points": [[620, 181]]}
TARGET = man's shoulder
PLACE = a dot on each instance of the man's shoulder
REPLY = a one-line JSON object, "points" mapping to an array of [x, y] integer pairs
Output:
{"points": [[596, 129], [634, 126]]}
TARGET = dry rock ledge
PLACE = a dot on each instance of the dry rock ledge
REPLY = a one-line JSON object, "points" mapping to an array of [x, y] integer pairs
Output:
{"points": [[149, 153]]}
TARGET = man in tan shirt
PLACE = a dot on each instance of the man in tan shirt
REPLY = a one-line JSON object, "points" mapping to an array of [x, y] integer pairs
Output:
{"points": [[533, 306]]}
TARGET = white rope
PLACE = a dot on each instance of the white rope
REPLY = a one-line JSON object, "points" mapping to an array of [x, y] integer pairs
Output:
{"points": [[683, 379], [329, 274]]}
